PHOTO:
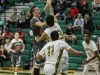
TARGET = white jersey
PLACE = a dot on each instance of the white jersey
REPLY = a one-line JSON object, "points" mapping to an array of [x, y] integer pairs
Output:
{"points": [[89, 49], [53, 51], [57, 28]]}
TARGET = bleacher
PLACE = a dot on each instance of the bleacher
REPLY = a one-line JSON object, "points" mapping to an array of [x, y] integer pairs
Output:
{"points": [[74, 61]]}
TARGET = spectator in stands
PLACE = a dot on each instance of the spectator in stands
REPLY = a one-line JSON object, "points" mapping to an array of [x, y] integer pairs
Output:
{"points": [[70, 34], [22, 20], [1, 37], [79, 23], [58, 9], [84, 2], [0, 8], [76, 3], [6, 46], [21, 34], [65, 3], [3, 55], [8, 34], [4, 26], [88, 25], [72, 13], [85, 11], [54, 2], [96, 5], [13, 18], [2, 2], [28, 18]]}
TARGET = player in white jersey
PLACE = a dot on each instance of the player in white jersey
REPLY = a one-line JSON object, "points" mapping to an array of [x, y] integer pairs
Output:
{"points": [[53, 52], [91, 50]]}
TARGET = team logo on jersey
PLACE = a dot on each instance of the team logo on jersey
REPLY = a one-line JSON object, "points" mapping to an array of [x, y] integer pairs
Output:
{"points": [[18, 46]]}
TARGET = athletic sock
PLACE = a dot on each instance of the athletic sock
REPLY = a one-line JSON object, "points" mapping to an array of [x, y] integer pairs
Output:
{"points": [[36, 71], [15, 73]]}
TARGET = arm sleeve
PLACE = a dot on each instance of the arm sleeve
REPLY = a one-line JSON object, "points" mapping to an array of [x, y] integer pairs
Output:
{"points": [[64, 45], [32, 22]]}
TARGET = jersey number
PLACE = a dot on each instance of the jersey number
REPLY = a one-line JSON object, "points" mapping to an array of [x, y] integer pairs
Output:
{"points": [[50, 50], [90, 54], [60, 33]]}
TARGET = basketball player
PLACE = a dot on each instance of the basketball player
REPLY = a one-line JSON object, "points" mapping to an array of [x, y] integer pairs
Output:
{"points": [[16, 47], [91, 50], [53, 52], [37, 25], [53, 25]]}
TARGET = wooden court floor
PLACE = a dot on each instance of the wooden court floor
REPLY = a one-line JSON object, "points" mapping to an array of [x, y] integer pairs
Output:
{"points": [[27, 72]]}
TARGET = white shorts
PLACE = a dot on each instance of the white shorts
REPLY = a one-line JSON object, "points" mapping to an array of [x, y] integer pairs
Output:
{"points": [[49, 69], [92, 66]]}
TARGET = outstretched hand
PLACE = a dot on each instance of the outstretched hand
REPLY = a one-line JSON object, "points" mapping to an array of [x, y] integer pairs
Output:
{"points": [[80, 52], [49, 2]]}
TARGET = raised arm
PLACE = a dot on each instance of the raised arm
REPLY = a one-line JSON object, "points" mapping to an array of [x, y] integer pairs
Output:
{"points": [[51, 10], [43, 36]]}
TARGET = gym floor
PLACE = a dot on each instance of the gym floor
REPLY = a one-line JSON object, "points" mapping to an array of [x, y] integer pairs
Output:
{"points": [[27, 72]]}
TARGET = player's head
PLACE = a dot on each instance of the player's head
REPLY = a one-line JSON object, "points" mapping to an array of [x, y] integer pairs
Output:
{"points": [[35, 11], [86, 37], [54, 35], [50, 20], [16, 35]]}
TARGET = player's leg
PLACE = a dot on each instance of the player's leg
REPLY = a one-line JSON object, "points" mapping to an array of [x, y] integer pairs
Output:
{"points": [[13, 62], [96, 67], [85, 71], [35, 70], [64, 69], [36, 48], [18, 60]]}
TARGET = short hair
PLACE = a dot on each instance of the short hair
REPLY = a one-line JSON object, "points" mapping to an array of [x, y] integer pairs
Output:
{"points": [[54, 35], [50, 20], [87, 34], [14, 9], [32, 9]]}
